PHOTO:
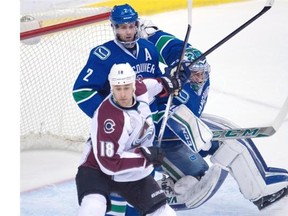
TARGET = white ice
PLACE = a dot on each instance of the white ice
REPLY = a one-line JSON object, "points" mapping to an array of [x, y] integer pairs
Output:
{"points": [[249, 84]]}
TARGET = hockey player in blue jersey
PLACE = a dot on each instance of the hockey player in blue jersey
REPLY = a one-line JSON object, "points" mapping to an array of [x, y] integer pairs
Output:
{"points": [[92, 85], [259, 183], [183, 159]]}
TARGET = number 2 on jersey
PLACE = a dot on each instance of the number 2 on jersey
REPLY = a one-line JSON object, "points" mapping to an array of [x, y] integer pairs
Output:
{"points": [[89, 72]]}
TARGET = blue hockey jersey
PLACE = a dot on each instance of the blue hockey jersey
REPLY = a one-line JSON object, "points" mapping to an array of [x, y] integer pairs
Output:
{"points": [[92, 85], [169, 48]]}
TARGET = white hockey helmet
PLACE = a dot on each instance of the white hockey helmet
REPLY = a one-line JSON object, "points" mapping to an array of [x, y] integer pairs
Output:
{"points": [[122, 74]]}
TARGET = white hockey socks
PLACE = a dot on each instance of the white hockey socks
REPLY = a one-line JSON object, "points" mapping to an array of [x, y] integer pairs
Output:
{"points": [[92, 204], [164, 210]]}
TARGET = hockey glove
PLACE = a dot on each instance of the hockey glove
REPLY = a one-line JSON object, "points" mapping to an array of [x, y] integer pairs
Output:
{"points": [[153, 155], [183, 74], [170, 85]]}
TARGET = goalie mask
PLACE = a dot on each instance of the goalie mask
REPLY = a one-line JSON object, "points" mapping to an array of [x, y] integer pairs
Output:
{"points": [[199, 71], [124, 14]]}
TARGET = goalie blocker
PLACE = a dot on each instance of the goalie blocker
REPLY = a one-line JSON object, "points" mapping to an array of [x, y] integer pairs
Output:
{"points": [[190, 129]]}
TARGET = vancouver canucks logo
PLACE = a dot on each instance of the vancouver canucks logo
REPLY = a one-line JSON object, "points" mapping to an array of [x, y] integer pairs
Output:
{"points": [[102, 52]]}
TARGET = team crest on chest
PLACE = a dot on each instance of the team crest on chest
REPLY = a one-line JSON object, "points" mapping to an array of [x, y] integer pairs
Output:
{"points": [[109, 126]]}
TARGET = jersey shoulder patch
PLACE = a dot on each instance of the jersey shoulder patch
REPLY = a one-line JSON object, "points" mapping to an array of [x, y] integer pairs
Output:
{"points": [[102, 52]]}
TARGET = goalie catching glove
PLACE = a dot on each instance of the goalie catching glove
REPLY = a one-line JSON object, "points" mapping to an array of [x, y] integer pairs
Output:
{"points": [[154, 155]]}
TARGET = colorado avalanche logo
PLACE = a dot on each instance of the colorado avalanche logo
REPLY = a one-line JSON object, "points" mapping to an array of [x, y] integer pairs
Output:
{"points": [[146, 134], [109, 125]]}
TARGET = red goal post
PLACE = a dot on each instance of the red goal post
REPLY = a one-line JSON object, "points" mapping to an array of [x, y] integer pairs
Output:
{"points": [[54, 46]]}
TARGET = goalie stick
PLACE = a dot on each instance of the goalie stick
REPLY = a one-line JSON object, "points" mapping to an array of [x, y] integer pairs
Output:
{"points": [[169, 102], [253, 132], [250, 132], [267, 6]]}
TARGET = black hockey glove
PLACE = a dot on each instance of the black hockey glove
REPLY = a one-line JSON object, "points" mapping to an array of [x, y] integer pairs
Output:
{"points": [[170, 85], [183, 74], [153, 155]]}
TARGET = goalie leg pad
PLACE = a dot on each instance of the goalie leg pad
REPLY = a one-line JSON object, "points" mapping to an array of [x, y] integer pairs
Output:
{"points": [[167, 185], [194, 193], [247, 171]]}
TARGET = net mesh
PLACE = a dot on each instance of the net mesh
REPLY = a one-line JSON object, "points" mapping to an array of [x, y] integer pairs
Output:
{"points": [[49, 65]]}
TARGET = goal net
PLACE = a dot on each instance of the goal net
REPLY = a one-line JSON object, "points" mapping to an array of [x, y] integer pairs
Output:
{"points": [[54, 47]]}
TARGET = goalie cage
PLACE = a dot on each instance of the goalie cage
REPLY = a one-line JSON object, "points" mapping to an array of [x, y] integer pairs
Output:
{"points": [[54, 47]]}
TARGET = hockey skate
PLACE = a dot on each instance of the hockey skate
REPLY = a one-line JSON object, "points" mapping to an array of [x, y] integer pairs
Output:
{"points": [[272, 198]]}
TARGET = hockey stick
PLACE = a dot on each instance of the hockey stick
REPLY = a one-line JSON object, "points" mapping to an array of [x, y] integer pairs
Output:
{"points": [[189, 5], [253, 132], [250, 132], [169, 102], [267, 6]]}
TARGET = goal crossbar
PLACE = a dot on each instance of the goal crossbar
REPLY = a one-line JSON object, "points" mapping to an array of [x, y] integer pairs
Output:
{"points": [[64, 26]]}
